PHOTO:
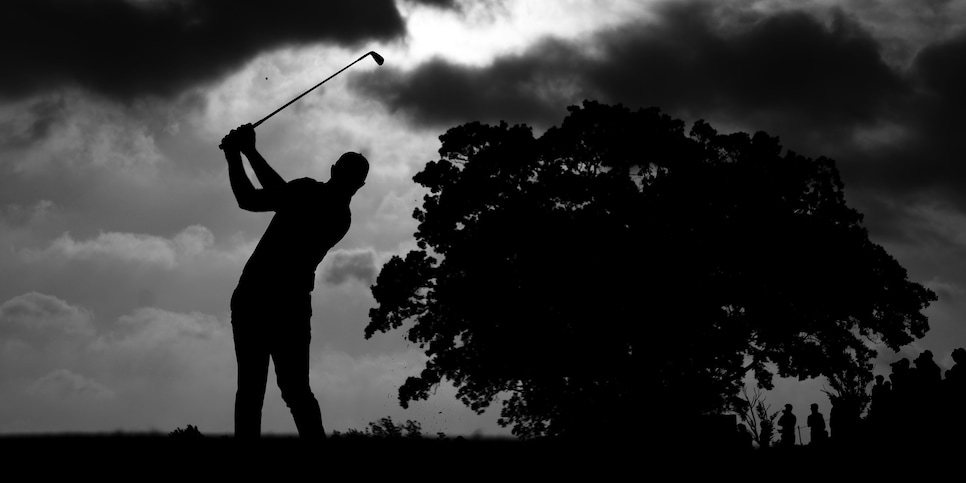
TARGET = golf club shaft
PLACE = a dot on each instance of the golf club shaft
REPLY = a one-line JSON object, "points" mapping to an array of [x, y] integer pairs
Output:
{"points": [[375, 56], [306, 92]]}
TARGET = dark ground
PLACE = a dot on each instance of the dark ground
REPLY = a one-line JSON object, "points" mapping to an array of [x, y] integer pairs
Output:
{"points": [[280, 457], [156, 456]]}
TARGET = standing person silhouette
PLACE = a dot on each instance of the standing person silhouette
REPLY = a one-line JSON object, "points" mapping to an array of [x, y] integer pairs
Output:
{"points": [[787, 423], [271, 306], [816, 426]]}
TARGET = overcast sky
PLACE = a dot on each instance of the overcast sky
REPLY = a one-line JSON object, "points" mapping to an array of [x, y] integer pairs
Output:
{"points": [[120, 240]]}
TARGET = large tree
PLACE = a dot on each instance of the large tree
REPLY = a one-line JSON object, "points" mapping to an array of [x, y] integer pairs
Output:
{"points": [[618, 273]]}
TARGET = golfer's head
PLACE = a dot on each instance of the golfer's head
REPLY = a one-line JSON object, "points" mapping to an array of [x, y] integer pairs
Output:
{"points": [[350, 170]]}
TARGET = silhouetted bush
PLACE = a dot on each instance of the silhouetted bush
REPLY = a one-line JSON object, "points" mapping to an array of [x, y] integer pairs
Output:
{"points": [[385, 428], [189, 432]]}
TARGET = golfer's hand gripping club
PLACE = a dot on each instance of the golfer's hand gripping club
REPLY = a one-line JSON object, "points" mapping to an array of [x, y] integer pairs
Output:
{"points": [[376, 57], [241, 139]]}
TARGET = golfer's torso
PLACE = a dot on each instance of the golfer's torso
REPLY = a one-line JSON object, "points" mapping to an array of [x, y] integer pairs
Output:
{"points": [[302, 231]]}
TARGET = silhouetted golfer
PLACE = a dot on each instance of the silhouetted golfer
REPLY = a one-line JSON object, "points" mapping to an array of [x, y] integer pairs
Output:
{"points": [[271, 306]]}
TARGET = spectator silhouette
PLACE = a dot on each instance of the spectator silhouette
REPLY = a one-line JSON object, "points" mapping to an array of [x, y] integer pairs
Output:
{"points": [[927, 372], [926, 401], [900, 421], [900, 375], [816, 426], [881, 409], [954, 391], [271, 306], [880, 394], [787, 424], [956, 375]]}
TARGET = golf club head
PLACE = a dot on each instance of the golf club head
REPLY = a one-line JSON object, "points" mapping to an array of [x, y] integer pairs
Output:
{"points": [[376, 57]]}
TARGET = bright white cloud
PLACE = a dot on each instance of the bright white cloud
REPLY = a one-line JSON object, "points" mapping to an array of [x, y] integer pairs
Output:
{"points": [[123, 246], [479, 31], [343, 265], [187, 246], [64, 384], [149, 328], [39, 317]]}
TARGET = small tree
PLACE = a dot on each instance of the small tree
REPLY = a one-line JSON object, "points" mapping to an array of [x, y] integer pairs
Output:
{"points": [[848, 391], [756, 415]]}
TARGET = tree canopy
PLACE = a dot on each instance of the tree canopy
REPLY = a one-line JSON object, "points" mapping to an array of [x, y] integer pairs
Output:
{"points": [[619, 268]]}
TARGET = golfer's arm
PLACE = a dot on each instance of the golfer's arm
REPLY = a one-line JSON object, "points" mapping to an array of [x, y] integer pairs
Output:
{"points": [[248, 198], [267, 176]]}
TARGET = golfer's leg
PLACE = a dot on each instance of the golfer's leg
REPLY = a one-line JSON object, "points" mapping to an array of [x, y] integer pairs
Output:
{"points": [[291, 357], [251, 352]]}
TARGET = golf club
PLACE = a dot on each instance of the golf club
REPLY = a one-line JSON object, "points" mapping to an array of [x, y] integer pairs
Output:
{"points": [[376, 57]]}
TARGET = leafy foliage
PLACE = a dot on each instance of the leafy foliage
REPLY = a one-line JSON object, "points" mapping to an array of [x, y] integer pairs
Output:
{"points": [[386, 428], [617, 266]]}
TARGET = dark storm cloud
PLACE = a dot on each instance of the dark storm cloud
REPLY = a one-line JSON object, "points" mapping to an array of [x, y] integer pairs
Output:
{"points": [[929, 156], [345, 265], [127, 48], [787, 68], [441, 94], [942, 69]]}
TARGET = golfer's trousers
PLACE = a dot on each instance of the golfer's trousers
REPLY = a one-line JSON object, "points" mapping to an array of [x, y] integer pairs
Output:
{"points": [[268, 330]]}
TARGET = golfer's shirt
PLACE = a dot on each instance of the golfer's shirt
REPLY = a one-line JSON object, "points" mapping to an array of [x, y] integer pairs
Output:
{"points": [[309, 220]]}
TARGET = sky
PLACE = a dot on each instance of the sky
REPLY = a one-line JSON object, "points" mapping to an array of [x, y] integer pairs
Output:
{"points": [[121, 242]]}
